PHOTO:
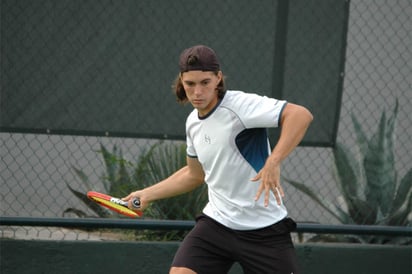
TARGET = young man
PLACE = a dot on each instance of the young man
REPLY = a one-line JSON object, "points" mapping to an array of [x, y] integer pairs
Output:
{"points": [[245, 220]]}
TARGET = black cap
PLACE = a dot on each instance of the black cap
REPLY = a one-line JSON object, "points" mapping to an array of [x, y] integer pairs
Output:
{"points": [[198, 58]]}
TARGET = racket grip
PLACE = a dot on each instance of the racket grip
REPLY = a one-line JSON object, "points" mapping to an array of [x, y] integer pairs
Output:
{"points": [[136, 203]]}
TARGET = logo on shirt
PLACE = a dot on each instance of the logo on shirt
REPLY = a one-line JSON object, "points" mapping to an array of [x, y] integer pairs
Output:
{"points": [[207, 139]]}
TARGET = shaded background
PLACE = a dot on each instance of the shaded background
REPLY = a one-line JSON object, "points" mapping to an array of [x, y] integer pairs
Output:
{"points": [[75, 74]]}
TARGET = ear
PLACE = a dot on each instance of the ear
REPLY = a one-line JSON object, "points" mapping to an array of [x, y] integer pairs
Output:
{"points": [[219, 76]]}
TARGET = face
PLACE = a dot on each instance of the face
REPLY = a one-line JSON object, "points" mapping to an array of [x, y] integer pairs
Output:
{"points": [[201, 89]]}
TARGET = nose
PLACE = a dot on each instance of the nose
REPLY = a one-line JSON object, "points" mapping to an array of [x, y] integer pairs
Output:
{"points": [[197, 90]]}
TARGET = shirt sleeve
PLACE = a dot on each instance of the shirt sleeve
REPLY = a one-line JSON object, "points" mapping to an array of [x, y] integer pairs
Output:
{"points": [[190, 149], [257, 111]]}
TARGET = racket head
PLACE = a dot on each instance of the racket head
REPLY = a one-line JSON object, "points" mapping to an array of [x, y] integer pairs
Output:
{"points": [[113, 203]]}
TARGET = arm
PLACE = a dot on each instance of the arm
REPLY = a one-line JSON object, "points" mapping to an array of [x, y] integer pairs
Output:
{"points": [[184, 180], [294, 122]]}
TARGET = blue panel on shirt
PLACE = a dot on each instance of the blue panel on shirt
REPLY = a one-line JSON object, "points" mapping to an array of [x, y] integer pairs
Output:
{"points": [[253, 145]]}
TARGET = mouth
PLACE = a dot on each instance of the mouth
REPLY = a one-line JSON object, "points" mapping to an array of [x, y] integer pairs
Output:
{"points": [[197, 101]]}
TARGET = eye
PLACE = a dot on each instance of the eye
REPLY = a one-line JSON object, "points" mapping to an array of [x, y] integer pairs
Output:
{"points": [[205, 82]]}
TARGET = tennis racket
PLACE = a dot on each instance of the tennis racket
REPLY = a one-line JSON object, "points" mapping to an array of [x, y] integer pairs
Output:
{"points": [[116, 204]]}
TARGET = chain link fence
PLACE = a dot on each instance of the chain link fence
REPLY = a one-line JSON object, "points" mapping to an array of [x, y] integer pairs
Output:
{"points": [[45, 159]]}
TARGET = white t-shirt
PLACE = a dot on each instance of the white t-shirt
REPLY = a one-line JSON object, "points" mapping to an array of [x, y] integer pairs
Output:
{"points": [[232, 146]]}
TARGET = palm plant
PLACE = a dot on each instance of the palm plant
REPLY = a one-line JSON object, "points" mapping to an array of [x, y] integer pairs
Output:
{"points": [[368, 183]]}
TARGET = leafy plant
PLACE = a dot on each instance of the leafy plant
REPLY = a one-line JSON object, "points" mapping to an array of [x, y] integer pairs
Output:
{"points": [[122, 177], [368, 183], [116, 181], [159, 163]]}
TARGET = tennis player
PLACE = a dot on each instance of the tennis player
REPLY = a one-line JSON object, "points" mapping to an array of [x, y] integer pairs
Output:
{"points": [[245, 220]]}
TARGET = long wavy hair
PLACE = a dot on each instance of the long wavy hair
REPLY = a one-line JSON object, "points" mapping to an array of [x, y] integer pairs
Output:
{"points": [[181, 93]]}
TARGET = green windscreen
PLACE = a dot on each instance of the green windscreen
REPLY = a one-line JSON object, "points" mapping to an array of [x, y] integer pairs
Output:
{"points": [[106, 67]]}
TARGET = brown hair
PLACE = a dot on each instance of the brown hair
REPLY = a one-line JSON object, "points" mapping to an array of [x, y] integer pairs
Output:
{"points": [[181, 93]]}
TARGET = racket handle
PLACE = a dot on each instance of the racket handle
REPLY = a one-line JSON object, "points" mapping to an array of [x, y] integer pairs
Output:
{"points": [[136, 203]]}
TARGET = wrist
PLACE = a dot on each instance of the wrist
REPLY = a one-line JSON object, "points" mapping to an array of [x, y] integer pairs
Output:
{"points": [[274, 159]]}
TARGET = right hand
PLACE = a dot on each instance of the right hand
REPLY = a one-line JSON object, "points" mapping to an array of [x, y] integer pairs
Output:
{"points": [[139, 195]]}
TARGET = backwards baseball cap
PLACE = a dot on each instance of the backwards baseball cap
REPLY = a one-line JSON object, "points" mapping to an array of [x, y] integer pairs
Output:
{"points": [[198, 58]]}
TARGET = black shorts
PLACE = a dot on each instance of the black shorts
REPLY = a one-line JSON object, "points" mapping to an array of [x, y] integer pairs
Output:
{"points": [[213, 248]]}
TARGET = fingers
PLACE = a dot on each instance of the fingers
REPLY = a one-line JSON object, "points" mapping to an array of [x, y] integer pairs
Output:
{"points": [[259, 192], [256, 178], [282, 193], [266, 189], [128, 197], [134, 202], [277, 193]]}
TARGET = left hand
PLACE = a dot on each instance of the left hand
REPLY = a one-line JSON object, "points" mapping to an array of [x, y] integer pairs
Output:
{"points": [[269, 177]]}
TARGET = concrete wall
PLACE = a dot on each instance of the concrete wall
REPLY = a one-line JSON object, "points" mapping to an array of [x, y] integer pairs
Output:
{"points": [[27, 256]]}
